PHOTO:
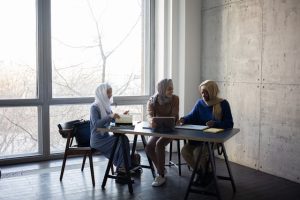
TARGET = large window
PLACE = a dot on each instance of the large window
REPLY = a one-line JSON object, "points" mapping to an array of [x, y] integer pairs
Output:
{"points": [[17, 49], [63, 113], [54, 53], [97, 41], [19, 131]]}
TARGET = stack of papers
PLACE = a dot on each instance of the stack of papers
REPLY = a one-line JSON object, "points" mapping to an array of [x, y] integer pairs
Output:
{"points": [[213, 130], [192, 127]]}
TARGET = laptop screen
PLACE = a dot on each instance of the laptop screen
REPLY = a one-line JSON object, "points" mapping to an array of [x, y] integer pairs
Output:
{"points": [[164, 124]]}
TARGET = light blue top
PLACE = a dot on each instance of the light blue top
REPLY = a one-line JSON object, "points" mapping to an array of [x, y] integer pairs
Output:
{"points": [[96, 121]]}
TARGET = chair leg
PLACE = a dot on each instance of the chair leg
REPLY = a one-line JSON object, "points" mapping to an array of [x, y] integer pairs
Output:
{"points": [[63, 167], [170, 153], [83, 162], [92, 169], [179, 157], [112, 170], [184, 141]]}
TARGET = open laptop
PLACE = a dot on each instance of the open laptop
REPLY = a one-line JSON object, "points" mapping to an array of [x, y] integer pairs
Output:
{"points": [[164, 124]]}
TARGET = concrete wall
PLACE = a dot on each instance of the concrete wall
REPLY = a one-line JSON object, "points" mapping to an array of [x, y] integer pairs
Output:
{"points": [[252, 49]]}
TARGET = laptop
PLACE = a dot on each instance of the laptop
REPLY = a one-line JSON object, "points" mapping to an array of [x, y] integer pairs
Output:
{"points": [[164, 124]]}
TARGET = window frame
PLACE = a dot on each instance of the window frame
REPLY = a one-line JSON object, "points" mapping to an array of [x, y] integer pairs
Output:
{"points": [[44, 83]]}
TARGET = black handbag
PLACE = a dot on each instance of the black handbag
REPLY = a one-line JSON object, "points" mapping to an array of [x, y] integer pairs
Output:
{"points": [[82, 133]]}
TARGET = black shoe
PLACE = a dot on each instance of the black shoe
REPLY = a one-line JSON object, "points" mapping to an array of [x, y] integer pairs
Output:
{"points": [[137, 170], [207, 179], [198, 178], [123, 179], [122, 170]]}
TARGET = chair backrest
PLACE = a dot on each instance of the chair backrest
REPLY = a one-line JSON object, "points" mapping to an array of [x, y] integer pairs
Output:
{"points": [[80, 130], [67, 125]]}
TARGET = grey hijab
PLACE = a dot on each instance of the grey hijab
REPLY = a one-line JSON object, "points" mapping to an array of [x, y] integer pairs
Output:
{"points": [[160, 96]]}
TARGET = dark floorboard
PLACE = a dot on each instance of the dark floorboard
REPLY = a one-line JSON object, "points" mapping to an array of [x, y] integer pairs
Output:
{"points": [[41, 181]]}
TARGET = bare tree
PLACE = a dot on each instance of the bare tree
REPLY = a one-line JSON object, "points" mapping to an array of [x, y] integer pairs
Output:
{"points": [[103, 53]]}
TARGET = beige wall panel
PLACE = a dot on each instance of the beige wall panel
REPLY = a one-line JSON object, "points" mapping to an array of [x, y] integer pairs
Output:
{"points": [[281, 52], [244, 102], [209, 4], [280, 131], [244, 41], [213, 62], [223, 89]]}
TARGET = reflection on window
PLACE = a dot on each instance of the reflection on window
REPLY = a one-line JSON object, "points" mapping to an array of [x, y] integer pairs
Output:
{"points": [[64, 113], [97, 41], [19, 131], [18, 49]]}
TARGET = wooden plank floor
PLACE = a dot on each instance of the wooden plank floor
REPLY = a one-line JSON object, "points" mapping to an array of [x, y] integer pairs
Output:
{"points": [[41, 181]]}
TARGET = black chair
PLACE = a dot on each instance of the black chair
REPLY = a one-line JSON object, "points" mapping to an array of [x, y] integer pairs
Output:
{"points": [[80, 130], [171, 163]]}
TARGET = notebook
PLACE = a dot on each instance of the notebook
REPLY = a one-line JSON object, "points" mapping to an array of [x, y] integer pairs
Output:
{"points": [[192, 127], [164, 124], [124, 120], [213, 130]]}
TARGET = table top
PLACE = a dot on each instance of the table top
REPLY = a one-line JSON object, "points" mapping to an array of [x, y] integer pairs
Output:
{"points": [[186, 134]]}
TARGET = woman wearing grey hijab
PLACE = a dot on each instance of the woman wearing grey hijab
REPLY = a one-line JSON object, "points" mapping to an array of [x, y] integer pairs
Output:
{"points": [[163, 104]]}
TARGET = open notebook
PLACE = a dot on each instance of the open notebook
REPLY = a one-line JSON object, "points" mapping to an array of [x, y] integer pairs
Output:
{"points": [[192, 127], [124, 120]]}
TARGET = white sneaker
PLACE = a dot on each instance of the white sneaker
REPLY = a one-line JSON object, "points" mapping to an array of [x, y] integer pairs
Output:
{"points": [[158, 181]]}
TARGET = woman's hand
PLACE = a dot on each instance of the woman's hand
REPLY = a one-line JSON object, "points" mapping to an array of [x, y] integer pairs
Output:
{"points": [[126, 112], [153, 124], [180, 121], [115, 116], [210, 123]]}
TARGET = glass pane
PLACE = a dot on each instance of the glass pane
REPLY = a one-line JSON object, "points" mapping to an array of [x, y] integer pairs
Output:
{"points": [[19, 131], [61, 114], [97, 41], [135, 110], [18, 49]]}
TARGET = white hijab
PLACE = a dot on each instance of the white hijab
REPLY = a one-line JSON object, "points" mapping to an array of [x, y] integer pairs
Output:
{"points": [[102, 100]]}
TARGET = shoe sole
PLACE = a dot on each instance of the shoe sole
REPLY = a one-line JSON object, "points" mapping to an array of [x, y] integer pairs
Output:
{"points": [[153, 185]]}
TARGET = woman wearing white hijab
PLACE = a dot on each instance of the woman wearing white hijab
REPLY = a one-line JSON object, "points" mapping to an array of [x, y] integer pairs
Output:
{"points": [[162, 104], [211, 111], [100, 117]]}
